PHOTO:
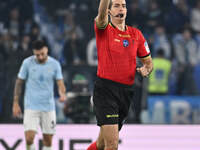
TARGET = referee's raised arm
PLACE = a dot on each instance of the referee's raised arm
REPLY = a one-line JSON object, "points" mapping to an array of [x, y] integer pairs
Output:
{"points": [[102, 17]]}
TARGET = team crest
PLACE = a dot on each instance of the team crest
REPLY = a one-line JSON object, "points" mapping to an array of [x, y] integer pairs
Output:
{"points": [[125, 43]]}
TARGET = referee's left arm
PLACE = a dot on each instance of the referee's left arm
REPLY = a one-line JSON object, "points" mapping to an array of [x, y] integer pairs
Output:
{"points": [[147, 67]]}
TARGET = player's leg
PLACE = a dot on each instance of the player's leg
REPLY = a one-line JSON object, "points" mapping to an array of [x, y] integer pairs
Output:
{"points": [[106, 112], [111, 136], [47, 141], [30, 135], [107, 139], [31, 123], [100, 141], [99, 144], [48, 123]]}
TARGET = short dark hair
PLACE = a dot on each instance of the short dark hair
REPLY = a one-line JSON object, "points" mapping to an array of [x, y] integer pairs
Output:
{"points": [[110, 4], [38, 44]]}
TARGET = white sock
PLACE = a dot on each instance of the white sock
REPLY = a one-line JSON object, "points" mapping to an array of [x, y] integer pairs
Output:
{"points": [[46, 148], [30, 147]]}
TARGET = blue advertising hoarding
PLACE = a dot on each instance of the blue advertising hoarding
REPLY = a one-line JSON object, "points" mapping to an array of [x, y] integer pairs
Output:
{"points": [[174, 109]]}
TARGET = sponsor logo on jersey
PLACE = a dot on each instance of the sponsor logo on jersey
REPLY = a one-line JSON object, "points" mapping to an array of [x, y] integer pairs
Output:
{"points": [[112, 116], [124, 35]]}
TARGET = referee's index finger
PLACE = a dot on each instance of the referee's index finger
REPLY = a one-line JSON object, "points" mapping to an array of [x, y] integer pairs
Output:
{"points": [[138, 69]]}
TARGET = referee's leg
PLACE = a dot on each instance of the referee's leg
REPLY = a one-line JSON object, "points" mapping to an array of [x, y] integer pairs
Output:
{"points": [[110, 137], [100, 141]]}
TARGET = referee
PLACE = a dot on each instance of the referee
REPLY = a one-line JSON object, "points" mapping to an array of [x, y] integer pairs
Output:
{"points": [[118, 45]]}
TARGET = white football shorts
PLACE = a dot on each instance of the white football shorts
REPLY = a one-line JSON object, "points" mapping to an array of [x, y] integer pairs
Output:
{"points": [[34, 118]]}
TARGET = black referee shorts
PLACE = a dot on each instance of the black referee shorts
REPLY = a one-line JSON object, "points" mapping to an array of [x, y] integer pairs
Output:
{"points": [[111, 102]]}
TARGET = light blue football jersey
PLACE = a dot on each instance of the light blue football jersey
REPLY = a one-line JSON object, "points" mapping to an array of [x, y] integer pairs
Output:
{"points": [[39, 79]]}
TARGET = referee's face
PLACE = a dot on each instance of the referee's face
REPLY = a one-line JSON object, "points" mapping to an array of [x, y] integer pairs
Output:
{"points": [[118, 7], [41, 54]]}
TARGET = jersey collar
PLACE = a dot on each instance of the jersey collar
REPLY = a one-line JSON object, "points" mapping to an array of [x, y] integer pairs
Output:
{"points": [[41, 63], [115, 27]]}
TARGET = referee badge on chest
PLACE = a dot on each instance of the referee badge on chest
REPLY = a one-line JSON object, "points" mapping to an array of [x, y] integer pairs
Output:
{"points": [[125, 43]]}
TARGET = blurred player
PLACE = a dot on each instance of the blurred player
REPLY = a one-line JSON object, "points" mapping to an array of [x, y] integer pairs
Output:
{"points": [[39, 73], [118, 46]]}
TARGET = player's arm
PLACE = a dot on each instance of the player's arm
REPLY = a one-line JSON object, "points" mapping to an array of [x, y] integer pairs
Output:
{"points": [[61, 90], [17, 92], [102, 17], [147, 67]]}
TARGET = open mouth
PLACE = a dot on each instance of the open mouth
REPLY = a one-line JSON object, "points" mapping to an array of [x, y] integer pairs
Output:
{"points": [[120, 15]]}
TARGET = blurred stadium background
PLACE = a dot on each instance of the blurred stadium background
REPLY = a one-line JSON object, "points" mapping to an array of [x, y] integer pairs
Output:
{"points": [[171, 95]]}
